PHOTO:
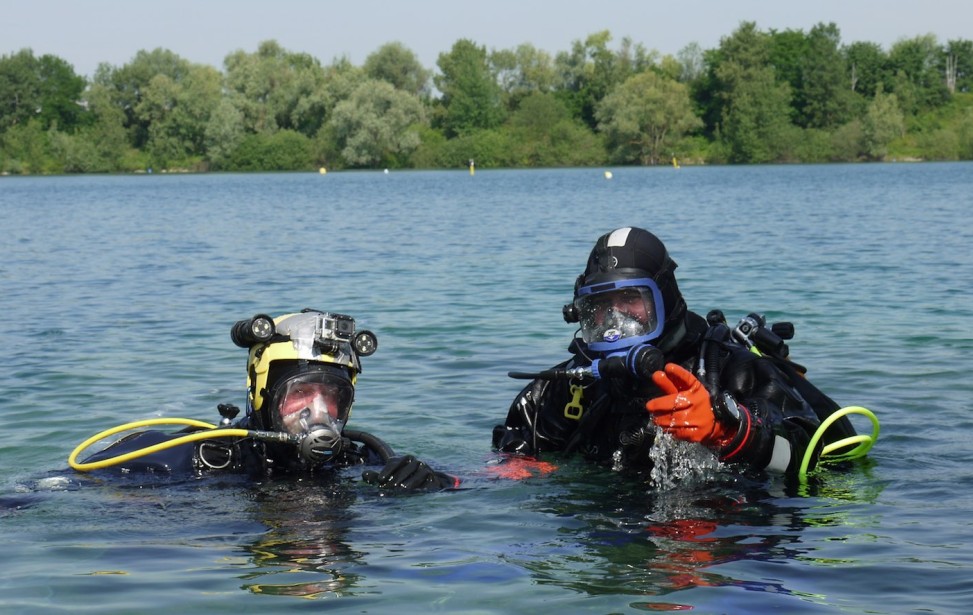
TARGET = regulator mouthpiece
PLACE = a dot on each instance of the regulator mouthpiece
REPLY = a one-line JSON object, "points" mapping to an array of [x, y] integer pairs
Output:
{"points": [[320, 445]]}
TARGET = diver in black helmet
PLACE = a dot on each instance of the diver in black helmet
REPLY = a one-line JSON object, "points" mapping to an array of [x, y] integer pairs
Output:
{"points": [[643, 362], [301, 375]]}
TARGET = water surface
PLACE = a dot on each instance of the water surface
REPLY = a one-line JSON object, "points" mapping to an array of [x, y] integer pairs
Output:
{"points": [[119, 292]]}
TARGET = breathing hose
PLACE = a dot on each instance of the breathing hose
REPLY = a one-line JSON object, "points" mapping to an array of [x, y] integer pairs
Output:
{"points": [[863, 443], [209, 431]]}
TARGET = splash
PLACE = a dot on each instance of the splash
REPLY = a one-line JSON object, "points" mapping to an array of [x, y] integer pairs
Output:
{"points": [[675, 461]]}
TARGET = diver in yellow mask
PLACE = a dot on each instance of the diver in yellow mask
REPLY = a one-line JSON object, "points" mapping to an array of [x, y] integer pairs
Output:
{"points": [[301, 375]]}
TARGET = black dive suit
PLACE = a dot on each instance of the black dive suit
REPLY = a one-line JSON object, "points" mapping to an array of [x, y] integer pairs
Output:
{"points": [[781, 410]]}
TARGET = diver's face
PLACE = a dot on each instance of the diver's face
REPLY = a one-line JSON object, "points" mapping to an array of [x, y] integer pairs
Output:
{"points": [[627, 302], [308, 404]]}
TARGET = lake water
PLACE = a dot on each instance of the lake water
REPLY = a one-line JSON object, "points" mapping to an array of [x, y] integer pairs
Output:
{"points": [[118, 294]]}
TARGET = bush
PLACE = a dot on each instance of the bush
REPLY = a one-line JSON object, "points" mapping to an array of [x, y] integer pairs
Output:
{"points": [[286, 150]]}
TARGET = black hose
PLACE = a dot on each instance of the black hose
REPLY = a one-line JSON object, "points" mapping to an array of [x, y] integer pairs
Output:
{"points": [[373, 442], [711, 356]]}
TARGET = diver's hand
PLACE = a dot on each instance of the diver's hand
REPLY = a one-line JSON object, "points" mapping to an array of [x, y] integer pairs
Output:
{"points": [[685, 410], [408, 474]]}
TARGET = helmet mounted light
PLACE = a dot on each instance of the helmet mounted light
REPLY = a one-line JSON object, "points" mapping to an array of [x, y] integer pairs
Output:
{"points": [[256, 330]]}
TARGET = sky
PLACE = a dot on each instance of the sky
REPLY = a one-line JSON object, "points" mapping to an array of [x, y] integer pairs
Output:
{"points": [[86, 33]]}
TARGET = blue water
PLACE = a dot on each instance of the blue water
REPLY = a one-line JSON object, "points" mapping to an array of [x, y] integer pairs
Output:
{"points": [[118, 294]]}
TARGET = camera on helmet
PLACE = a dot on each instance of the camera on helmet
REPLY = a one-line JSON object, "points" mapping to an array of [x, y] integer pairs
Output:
{"points": [[333, 329]]}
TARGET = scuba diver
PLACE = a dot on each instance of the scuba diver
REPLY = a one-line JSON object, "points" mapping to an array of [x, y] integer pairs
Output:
{"points": [[301, 375], [644, 362]]}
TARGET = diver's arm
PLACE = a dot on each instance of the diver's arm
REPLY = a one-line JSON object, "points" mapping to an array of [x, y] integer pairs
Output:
{"points": [[516, 435], [753, 432]]}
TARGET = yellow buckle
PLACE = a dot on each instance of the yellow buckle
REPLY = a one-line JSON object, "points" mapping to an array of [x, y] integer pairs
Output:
{"points": [[573, 409]]}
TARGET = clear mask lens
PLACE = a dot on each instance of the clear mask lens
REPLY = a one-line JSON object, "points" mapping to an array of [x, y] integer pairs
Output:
{"points": [[617, 314], [306, 405]]}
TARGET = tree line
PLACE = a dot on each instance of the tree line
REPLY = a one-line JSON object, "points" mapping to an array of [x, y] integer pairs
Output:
{"points": [[759, 97]]}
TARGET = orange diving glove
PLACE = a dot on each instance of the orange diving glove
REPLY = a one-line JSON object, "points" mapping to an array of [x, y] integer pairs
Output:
{"points": [[685, 409]]}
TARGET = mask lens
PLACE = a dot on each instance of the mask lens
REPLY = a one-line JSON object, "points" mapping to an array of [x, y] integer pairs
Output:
{"points": [[304, 404], [617, 314]]}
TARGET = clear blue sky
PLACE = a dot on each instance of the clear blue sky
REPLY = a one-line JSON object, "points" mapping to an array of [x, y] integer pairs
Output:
{"points": [[88, 32]]}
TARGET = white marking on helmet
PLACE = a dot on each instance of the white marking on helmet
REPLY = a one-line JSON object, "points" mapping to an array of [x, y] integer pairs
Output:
{"points": [[618, 237]]}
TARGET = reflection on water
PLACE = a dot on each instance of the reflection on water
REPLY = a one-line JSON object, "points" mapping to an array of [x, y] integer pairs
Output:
{"points": [[710, 531], [303, 552]]}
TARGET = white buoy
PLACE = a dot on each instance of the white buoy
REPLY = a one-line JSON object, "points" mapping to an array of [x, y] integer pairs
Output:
{"points": [[322, 170], [608, 174]]}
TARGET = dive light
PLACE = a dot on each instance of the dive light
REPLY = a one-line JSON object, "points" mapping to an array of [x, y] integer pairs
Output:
{"points": [[256, 330]]}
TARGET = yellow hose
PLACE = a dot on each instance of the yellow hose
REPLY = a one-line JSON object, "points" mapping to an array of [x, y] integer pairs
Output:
{"points": [[211, 432], [864, 442]]}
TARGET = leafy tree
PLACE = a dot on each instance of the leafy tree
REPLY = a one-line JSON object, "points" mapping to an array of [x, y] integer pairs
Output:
{"points": [[276, 89], [470, 94], [23, 148], [591, 70], [127, 85], [787, 52], [178, 113], [883, 122], [543, 134], [523, 71], [377, 125], [398, 65], [645, 118], [223, 133], [285, 150], [107, 130], [44, 88], [826, 100], [867, 67], [61, 90], [957, 65], [755, 108], [918, 82], [692, 61]]}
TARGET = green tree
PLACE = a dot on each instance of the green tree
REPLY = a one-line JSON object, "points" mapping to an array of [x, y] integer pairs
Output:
{"points": [[917, 82], [23, 148], [223, 134], [45, 88], [285, 150], [127, 85], [523, 71], [177, 114], [867, 66], [471, 97], [543, 134], [397, 64], [692, 61], [957, 65], [107, 132], [276, 89], [591, 70], [755, 108], [378, 125], [826, 99], [645, 118], [883, 122]]}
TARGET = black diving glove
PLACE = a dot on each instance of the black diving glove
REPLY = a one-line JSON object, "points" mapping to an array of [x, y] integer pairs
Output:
{"points": [[409, 474]]}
